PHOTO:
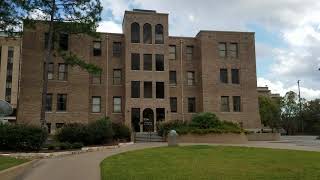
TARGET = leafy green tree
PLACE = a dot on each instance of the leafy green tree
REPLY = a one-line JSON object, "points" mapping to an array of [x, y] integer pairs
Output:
{"points": [[311, 115], [269, 112], [290, 112]]}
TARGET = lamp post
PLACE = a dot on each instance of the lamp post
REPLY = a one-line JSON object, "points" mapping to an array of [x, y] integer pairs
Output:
{"points": [[300, 107]]}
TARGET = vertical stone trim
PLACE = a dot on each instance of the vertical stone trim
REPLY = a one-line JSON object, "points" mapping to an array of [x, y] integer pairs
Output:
{"points": [[182, 80]]}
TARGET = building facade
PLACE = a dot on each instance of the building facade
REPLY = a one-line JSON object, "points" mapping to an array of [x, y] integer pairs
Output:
{"points": [[148, 76]]}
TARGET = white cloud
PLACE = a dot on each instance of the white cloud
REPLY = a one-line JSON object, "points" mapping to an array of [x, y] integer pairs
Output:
{"points": [[109, 26]]}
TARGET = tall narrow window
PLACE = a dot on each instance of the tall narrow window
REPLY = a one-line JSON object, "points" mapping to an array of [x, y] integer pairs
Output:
{"points": [[147, 62], [172, 52], [147, 89], [135, 33], [50, 71], [117, 104], [236, 103], [234, 50], [135, 89], [159, 34], [46, 41], [9, 74], [64, 41], [160, 90], [222, 49], [116, 49], [189, 53], [61, 102], [235, 76], [173, 77], [96, 104], [159, 62], [96, 78], [96, 48], [191, 105], [160, 114], [147, 34], [63, 72], [225, 104], [224, 75], [117, 76], [190, 78], [49, 102], [135, 61], [173, 104]]}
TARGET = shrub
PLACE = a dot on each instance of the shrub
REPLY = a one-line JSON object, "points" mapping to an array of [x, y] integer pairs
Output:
{"points": [[205, 120], [77, 145], [121, 132], [178, 125], [21, 137], [65, 145], [51, 146], [72, 133]]}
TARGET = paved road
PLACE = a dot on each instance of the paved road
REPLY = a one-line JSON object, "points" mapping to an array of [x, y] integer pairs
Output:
{"points": [[86, 166]]}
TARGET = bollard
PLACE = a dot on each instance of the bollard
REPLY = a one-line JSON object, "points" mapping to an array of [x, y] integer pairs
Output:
{"points": [[172, 138]]}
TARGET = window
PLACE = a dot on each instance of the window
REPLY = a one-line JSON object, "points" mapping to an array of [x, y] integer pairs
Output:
{"points": [[159, 34], [222, 49], [147, 89], [96, 104], [160, 90], [189, 53], [235, 76], [135, 33], [172, 52], [224, 75], [116, 49], [49, 102], [234, 50], [117, 76], [135, 61], [117, 104], [225, 104], [96, 48], [59, 125], [135, 119], [49, 128], [191, 105], [63, 41], [159, 62], [46, 39], [50, 71], [160, 114], [63, 72], [173, 104], [173, 77], [147, 34], [96, 78], [147, 62], [135, 89], [9, 74], [61, 102], [190, 78], [236, 103]]}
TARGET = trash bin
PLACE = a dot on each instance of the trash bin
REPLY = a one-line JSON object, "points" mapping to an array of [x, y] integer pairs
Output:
{"points": [[172, 138]]}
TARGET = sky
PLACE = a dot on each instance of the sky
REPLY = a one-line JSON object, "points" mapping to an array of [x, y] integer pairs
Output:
{"points": [[287, 33]]}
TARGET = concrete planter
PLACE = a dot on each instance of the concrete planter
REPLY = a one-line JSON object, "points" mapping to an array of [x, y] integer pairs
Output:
{"points": [[263, 136], [228, 138]]}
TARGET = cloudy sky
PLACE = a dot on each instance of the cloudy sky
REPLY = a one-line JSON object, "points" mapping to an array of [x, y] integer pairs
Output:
{"points": [[287, 33]]}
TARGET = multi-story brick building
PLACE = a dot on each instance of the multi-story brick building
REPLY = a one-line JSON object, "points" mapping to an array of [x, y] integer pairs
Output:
{"points": [[148, 76]]}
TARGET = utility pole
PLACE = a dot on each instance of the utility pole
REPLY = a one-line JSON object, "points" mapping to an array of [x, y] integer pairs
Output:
{"points": [[300, 107]]}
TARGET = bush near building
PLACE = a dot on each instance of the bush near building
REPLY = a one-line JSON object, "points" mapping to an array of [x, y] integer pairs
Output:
{"points": [[201, 123], [121, 132]]}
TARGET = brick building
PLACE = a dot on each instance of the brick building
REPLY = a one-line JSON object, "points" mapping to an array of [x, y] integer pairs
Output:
{"points": [[148, 76]]}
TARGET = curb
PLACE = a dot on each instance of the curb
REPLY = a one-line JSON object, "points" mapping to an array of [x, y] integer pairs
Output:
{"points": [[14, 172]]}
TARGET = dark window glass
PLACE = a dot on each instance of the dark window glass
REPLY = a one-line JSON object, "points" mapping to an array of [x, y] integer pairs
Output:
{"points": [[116, 49], [160, 114], [62, 72], [135, 33], [135, 89], [46, 38], [159, 62], [61, 102], [191, 105], [173, 77], [96, 78], [49, 127], [9, 74], [222, 49], [190, 78], [64, 41], [173, 104], [96, 48], [117, 76], [147, 62], [235, 76], [225, 104], [147, 34], [135, 119], [50, 71], [172, 52], [159, 34], [49, 102], [224, 75], [135, 61], [189, 53], [117, 104], [147, 89], [96, 104], [236, 103], [233, 50], [160, 90]]}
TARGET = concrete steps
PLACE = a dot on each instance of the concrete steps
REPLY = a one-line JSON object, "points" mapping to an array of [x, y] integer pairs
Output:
{"points": [[147, 137]]}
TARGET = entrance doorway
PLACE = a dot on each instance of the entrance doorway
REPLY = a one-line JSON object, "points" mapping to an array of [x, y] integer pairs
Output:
{"points": [[135, 119], [148, 120]]}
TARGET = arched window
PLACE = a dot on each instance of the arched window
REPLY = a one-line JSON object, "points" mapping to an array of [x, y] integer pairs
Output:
{"points": [[159, 34], [147, 35], [135, 33]]}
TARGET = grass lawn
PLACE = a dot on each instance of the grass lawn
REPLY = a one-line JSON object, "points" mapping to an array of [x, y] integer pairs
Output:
{"points": [[7, 162], [211, 162]]}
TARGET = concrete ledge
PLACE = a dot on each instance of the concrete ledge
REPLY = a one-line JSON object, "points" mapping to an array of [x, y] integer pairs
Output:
{"points": [[227, 138], [263, 137], [14, 172]]}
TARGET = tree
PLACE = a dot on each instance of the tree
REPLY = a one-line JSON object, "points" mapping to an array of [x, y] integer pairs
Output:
{"points": [[311, 115], [269, 112], [68, 16], [10, 18], [290, 112]]}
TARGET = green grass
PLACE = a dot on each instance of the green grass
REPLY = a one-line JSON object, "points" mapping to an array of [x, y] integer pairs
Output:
{"points": [[7, 162], [212, 162]]}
